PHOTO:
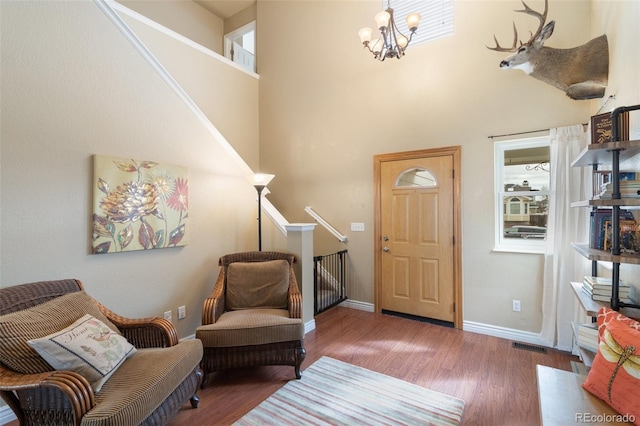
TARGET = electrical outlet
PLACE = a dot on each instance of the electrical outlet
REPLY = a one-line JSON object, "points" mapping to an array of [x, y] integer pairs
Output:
{"points": [[182, 312], [167, 315], [357, 227], [516, 306]]}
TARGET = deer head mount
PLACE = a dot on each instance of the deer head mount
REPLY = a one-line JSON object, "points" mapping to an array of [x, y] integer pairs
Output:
{"points": [[581, 72]]}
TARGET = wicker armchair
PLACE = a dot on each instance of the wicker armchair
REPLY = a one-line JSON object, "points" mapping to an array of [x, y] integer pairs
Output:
{"points": [[253, 315], [148, 388]]}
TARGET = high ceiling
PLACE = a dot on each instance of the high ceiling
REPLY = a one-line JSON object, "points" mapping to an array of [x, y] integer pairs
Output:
{"points": [[224, 8]]}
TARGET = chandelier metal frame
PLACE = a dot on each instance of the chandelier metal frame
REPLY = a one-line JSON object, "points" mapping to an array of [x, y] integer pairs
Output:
{"points": [[392, 43]]}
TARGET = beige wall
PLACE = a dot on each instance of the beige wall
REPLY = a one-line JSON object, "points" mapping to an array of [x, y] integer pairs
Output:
{"points": [[184, 17], [324, 118], [227, 96], [619, 20], [241, 18], [73, 86]]}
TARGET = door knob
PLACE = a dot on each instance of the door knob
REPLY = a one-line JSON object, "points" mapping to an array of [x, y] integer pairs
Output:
{"points": [[385, 238], [385, 249]]}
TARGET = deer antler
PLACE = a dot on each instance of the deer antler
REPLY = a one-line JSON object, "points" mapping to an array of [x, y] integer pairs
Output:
{"points": [[541, 16], [513, 48]]}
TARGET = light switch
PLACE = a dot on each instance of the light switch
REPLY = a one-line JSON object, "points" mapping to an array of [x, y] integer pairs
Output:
{"points": [[357, 227]]}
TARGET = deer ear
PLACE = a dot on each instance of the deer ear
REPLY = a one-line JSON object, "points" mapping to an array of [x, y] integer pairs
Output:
{"points": [[545, 33]]}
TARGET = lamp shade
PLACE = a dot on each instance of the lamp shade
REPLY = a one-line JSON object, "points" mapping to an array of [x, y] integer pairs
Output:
{"points": [[260, 179], [382, 19], [402, 41], [376, 45], [365, 34], [413, 20]]}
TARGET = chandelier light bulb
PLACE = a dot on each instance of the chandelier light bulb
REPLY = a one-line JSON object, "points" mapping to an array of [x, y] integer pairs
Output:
{"points": [[413, 20], [382, 20], [402, 41], [365, 34]]}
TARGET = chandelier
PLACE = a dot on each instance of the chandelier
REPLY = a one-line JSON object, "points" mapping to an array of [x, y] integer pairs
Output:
{"points": [[392, 43]]}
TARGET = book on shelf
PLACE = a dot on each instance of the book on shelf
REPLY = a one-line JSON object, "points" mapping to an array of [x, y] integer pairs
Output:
{"points": [[598, 218], [588, 336], [602, 128], [622, 292], [628, 237], [601, 283], [598, 298], [600, 288], [600, 178], [628, 188]]}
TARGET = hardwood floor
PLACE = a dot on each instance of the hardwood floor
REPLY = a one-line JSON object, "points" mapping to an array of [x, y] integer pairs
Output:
{"points": [[496, 381]]}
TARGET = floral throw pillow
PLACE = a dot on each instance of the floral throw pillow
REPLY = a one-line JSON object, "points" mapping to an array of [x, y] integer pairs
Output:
{"points": [[88, 347], [615, 373], [605, 315]]}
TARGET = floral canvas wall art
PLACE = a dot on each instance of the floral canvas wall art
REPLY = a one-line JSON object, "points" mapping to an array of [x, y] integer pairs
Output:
{"points": [[138, 205]]}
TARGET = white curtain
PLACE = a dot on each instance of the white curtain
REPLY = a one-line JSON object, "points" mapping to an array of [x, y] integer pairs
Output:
{"points": [[562, 264]]}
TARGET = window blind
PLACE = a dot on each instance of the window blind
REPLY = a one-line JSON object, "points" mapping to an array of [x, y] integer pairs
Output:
{"points": [[436, 18]]}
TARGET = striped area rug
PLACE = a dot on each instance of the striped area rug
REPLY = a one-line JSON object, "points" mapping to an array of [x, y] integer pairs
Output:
{"points": [[332, 392]]}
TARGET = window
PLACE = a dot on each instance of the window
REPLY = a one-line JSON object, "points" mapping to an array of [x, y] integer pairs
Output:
{"points": [[416, 177], [239, 46], [436, 18], [522, 194]]}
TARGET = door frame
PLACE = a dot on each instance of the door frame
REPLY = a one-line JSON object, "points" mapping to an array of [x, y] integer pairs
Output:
{"points": [[456, 153]]}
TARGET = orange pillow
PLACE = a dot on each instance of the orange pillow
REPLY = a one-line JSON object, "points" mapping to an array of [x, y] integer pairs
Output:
{"points": [[605, 315], [615, 374]]}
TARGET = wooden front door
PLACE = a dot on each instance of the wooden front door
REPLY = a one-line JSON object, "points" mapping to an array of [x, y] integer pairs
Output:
{"points": [[417, 255]]}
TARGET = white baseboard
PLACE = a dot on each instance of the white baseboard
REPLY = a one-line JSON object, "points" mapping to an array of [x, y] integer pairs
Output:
{"points": [[503, 332], [354, 304], [309, 326], [473, 327], [6, 415]]}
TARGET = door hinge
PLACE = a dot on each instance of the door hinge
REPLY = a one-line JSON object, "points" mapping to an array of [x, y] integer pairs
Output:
{"points": [[453, 173], [454, 307], [453, 240]]}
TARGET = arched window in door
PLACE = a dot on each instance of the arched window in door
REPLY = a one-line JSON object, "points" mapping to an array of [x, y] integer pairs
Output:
{"points": [[416, 177]]}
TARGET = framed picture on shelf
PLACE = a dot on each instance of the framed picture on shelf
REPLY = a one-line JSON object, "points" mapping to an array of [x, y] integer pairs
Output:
{"points": [[628, 236]]}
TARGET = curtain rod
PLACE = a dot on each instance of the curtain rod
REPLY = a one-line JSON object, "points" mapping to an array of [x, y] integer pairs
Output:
{"points": [[519, 133], [546, 130]]}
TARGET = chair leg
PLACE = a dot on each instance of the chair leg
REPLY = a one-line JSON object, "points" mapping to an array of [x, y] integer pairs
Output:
{"points": [[195, 401], [301, 353], [205, 381]]}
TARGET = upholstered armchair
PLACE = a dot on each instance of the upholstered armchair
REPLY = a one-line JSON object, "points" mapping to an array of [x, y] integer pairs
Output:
{"points": [[65, 359], [253, 316]]}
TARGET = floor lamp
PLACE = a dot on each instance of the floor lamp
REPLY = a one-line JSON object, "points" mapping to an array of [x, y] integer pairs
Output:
{"points": [[260, 182]]}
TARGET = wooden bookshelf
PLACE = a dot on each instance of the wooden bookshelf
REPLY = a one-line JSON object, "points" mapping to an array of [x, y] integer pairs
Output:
{"points": [[605, 256], [601, 153], [592, 307], [604, 202]]}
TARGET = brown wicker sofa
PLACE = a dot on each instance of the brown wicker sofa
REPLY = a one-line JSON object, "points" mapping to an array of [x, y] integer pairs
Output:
{"points": [[159, 376], [246, 321]]}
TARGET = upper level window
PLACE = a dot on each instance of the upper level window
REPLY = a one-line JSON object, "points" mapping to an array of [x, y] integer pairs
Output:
{"points": [[436, 18], [522, 194]]}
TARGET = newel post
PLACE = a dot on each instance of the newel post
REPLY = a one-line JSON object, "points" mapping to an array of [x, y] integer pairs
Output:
{"points": [[300, 243]]}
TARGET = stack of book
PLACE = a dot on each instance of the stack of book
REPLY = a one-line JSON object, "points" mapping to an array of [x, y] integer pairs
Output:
{"points": [[588, 336], [599, 289], [629, 186]]}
